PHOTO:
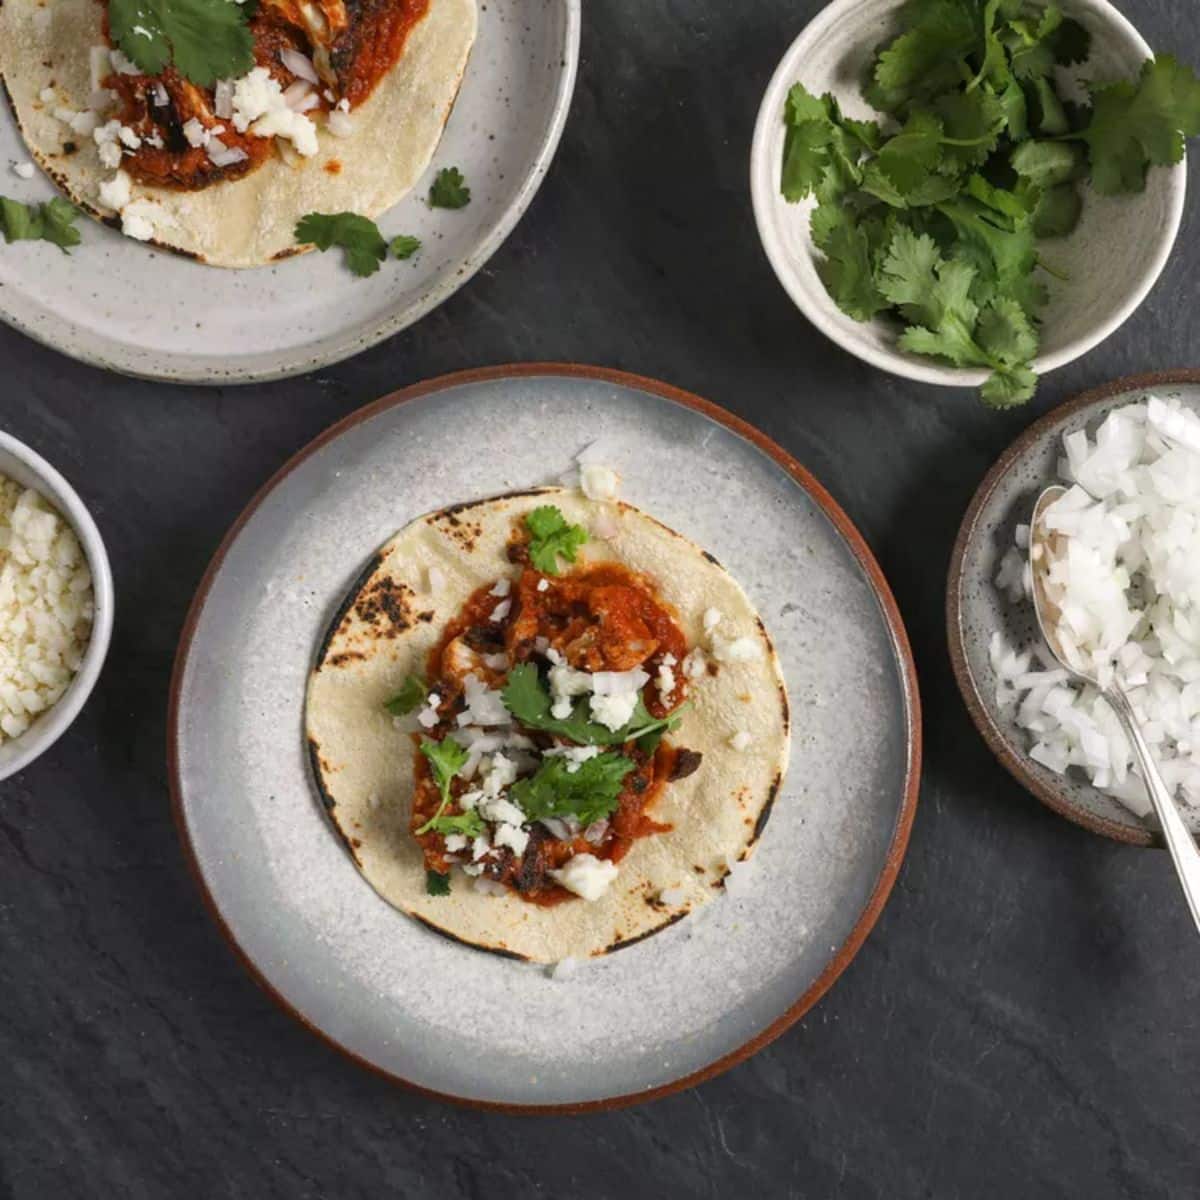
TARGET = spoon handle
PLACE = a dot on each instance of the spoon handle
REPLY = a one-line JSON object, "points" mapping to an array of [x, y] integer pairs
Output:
{"points": [[1178, 837]]}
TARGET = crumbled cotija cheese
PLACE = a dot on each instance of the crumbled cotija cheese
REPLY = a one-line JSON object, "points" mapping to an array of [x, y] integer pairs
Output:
{"points": [[46, 607]]}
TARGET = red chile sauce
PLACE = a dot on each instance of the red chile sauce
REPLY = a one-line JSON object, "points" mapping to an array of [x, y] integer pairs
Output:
{"points": [[366, 40], [600, 618]]}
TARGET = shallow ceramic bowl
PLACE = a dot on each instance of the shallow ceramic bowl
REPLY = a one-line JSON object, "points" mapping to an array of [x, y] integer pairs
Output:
{"points": [[975, 607], [18, 462], [1111, 261]]}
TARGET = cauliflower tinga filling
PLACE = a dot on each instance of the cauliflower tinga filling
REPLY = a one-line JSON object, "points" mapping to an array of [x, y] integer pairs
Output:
{"points": [[542, 717]]}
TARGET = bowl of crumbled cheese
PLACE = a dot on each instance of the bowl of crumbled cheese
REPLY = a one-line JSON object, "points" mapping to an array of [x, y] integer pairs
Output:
{"points": [[56, 605]]}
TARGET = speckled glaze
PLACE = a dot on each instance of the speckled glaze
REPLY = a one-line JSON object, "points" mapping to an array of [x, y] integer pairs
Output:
{"points": [[976, 608], [142, 311], [1110, 262], [472, 1026]]}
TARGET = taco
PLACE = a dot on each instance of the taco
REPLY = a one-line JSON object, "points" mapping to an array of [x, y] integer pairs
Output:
{"points": [[546, 726], [340, 108]]}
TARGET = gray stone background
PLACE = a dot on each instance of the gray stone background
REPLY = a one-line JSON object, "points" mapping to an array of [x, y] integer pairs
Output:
{"points": [[1022, 1023]]}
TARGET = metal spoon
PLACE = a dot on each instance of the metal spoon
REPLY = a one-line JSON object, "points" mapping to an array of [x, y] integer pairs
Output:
{"points": [[1042, 550]]}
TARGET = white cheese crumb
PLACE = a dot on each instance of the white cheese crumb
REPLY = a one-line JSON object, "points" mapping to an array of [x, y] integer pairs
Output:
{"points": [[23, 169], [140, 219], [614, 711], [566, 683], [741, 741], [502, 588], [196, 134], [695, 665], [501, 610], [456, 842], [543, 585], [512, 836], [129, 137], [46, 607], [743, 649], [116, 192], [598, 482], [259, 107], [712, 618], [586, 876], [576, 756], [665, 681], [47, 95]]}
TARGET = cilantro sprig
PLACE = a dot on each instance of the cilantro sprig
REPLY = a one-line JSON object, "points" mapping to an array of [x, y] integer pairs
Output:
{"points": [[205, 40], [449, 189], [469, 824], [551, 537], [53, 221], [366, 248], [409, 698], [437, 884], [446, 759], [935, 221], [526, 697], [589, 792]]}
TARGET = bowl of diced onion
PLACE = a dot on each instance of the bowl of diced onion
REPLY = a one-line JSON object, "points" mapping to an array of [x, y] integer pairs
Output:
{"points": [[1129, 590], [56, 605]]}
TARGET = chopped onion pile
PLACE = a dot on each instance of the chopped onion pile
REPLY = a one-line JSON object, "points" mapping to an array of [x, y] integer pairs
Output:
{"points": [[1127, 585]]}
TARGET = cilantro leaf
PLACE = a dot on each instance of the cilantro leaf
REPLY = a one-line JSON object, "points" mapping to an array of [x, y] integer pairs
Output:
{"points": [[364, 245], [588, 793], [551, 537], [404, 246], [437, 884], [1136, 125], [805, 159], [927, 58], [206, 40], [409, 698], [51, 222], [848, 272], [1006, 334], [446, 759], [1047, 164], [449, 190], [1008, 389], [1058, 211], [469, 824]]}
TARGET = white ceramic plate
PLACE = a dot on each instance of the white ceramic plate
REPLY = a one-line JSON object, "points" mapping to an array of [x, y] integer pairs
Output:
{"points": [[656, 1015], [138, 310], [1111, 261]]}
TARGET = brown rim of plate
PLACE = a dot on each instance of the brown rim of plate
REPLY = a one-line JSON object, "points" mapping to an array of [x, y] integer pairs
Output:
{"points": [[844, 526], [1018, 764]]}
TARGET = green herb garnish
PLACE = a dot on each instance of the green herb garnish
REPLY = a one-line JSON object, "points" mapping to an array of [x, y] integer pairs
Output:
{"points": [[437, 884], [469, 824], [936, 223], [404, 246], [449, 190], [205, 40], [52, 222], [446, 759], [551, 537], [588, 793], [409, 698], [528, 700], [364, 245]]}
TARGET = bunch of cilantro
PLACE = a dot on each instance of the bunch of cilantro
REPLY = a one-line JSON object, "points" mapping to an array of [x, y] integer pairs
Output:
{"points": [[936, 220]]}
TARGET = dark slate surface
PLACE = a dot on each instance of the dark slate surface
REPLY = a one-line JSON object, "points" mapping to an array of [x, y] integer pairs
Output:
{"points": [[1023, 1022]]}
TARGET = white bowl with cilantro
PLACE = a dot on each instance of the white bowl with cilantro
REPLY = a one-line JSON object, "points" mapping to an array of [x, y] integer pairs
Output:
{"points": [[996, 207]]}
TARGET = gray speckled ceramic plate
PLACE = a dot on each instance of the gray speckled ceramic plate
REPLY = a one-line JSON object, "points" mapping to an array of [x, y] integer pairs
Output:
{"points": [[131, 308], [975, 608], [449, 1020]]}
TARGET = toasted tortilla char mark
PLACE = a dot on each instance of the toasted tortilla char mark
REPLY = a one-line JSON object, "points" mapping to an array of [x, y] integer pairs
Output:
{"points": [[385, 607], [360, 582], [625, 943], [765, 815], [320, 768]]}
